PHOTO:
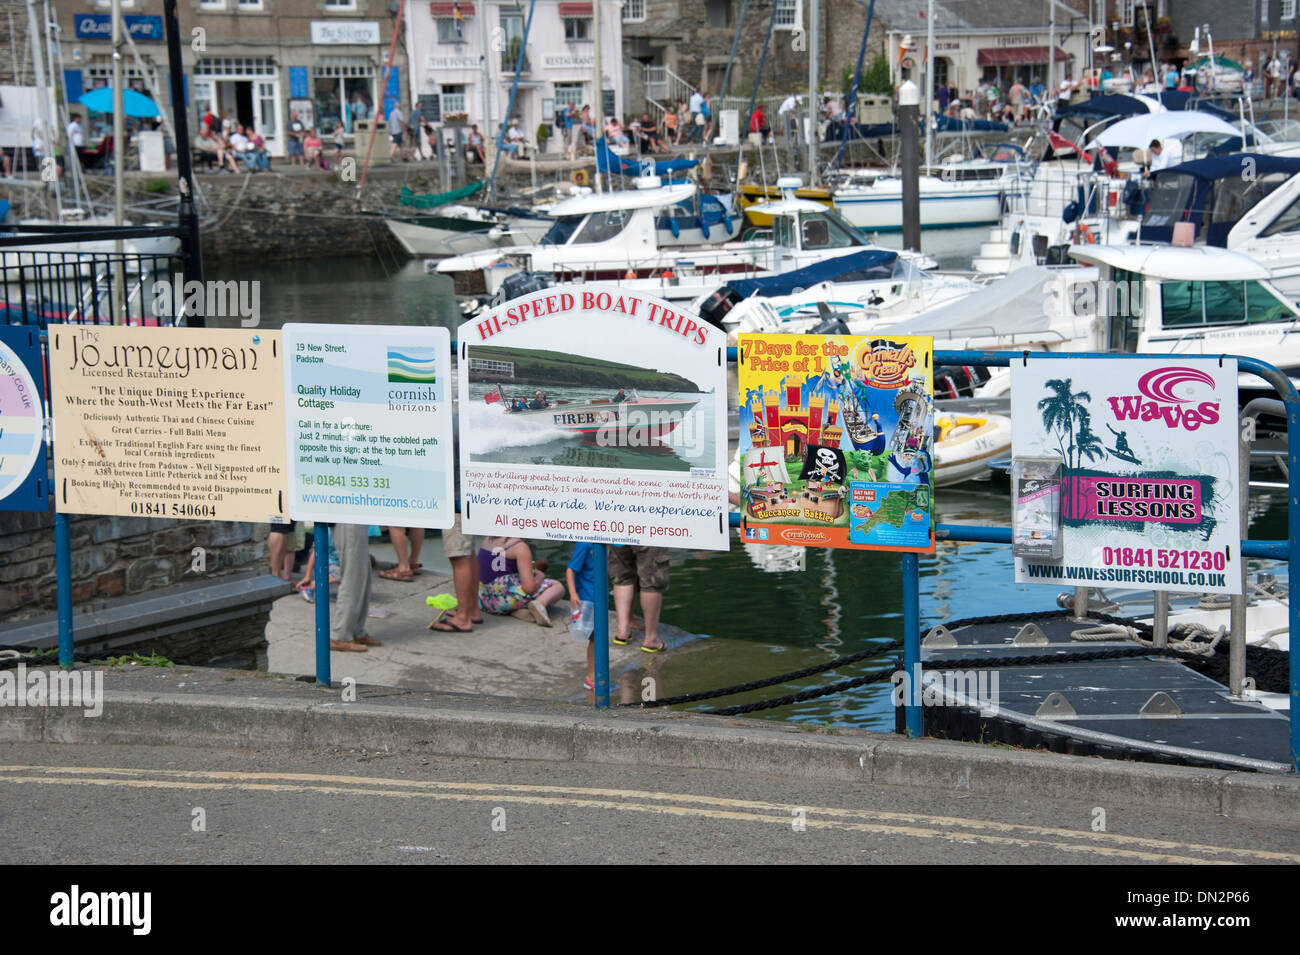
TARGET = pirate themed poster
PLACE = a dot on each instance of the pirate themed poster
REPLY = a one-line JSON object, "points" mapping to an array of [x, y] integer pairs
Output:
{"points": [[837, 441], [1148, 470]]}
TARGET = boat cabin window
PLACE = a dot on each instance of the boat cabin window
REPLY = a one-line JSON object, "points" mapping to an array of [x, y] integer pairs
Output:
{"points": [[1169, 196], [1288, 221], [1235, 195], [562, 231], [602, 226], [1122, 305], [822, 231], [1185, 304]]}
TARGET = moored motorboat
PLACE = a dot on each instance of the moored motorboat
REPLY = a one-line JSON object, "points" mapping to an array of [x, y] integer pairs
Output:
{"points": [[631, 421], [965, 444]]}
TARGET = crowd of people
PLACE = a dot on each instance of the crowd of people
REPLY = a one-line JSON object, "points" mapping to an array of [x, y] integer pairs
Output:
{"points": [[498, 576]]}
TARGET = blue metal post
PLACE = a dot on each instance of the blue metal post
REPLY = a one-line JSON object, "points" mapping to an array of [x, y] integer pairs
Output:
{"points": [[601, 633], [63, 568], [1293, 561], [912, 641], [322, 585]]}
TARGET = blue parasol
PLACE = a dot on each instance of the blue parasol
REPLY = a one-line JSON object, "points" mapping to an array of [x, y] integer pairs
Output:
{"points": [[133, 103]]}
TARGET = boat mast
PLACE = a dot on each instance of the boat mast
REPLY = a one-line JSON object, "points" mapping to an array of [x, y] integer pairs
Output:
{"points": [[929, 89], [34, 34], [813, 30], [852, 97], [510, 105], [598, 114]]}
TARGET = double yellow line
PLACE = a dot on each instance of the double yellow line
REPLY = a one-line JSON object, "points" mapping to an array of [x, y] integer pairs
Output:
{"points": [[683, 805]]}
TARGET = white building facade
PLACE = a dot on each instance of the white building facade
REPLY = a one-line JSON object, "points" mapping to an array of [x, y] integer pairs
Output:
{"points": [[445, 43], [968, 56]]}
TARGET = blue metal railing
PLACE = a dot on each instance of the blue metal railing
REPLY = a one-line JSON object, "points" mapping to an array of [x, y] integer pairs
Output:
{"points": [[1288, 550]]}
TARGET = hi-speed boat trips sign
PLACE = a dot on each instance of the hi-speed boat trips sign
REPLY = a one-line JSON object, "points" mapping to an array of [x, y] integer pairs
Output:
{"points": [[591, 413], [1147, 455], [837, 441]]}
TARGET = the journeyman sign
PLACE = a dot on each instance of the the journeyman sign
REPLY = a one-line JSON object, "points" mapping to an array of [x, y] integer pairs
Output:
{"points": [[596, 414], [368, 413], [168, 422], [1147, 449], [837, 441]]}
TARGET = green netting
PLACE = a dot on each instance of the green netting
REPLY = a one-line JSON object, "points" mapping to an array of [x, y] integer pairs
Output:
{"points": [[435, 199]]}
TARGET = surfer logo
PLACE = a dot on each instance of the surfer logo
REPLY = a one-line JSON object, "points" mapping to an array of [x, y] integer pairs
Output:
{"points": [[1163, 403], [886, 364]]}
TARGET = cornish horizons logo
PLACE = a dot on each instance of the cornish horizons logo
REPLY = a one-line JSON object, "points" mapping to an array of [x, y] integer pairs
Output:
{"points": [[1166, 401]]}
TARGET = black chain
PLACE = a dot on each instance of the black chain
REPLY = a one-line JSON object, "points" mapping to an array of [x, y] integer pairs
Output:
{"points": [[770, 681]]}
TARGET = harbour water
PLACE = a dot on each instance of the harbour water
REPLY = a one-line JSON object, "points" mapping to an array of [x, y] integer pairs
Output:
{"points": [[752, 623]]}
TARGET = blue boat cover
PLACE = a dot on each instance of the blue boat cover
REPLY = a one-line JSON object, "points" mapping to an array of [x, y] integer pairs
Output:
{"points": [[1207, 172], [861, 266], [1105, 104], [607, 161]]}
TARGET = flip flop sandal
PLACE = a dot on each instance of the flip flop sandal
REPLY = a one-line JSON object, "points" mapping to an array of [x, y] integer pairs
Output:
{"points": [[588, 685], [447, 627], [645, 649], [621, 641], [394, 574]]}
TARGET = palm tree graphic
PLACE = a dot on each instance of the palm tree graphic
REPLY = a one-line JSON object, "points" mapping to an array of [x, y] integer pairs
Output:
{"points": [[1065, 415]]}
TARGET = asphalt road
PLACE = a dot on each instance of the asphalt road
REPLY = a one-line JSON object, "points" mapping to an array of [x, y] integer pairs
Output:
{"points": [[128, 804]]}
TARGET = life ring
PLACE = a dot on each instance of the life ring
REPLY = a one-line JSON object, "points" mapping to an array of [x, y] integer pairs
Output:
{"points": [[1085, 235], [908, 63], [579, 177]]}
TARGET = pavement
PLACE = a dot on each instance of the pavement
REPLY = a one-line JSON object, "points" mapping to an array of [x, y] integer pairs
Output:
{"points": [[504, 656], [209, 710]]}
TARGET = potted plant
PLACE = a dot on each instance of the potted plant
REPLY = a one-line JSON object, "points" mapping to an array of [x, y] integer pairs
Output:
{"points": [[543, 136]]}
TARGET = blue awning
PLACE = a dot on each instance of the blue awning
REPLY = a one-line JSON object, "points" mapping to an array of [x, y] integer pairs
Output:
{"points": [[861, 266]]}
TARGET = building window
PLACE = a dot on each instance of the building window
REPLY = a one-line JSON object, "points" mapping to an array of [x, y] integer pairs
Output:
{"points": [[633, 11], [212, 4], [568, 94], [100, 74], [788, 15], [109, 3], [337, 5], [1263, 12], [451, 30], [343, 90], [250, 4], [1288, 9], [577, 28], [717, 13], [241, 66], [453, 98]]}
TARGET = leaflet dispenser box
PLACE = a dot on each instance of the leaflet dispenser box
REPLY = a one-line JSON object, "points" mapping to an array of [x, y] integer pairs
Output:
{"points": [[1036, 485]]}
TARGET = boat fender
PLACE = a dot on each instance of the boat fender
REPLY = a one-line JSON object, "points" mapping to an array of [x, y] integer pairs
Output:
{"points": [[672, 224], [704, 227], [1085, 235], [726, 221]]}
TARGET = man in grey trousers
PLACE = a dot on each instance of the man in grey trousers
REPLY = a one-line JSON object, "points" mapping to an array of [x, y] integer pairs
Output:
{"points": [[352, 541]]}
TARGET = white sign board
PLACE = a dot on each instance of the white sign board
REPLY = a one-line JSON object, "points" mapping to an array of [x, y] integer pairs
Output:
{"points": [[588, 413], [1148, 446], [354, 32], [153, 154], [368, 422]]}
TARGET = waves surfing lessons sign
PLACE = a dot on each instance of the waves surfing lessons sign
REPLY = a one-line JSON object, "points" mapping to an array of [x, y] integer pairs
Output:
{"points": [[1149, 471], [590, 413]]}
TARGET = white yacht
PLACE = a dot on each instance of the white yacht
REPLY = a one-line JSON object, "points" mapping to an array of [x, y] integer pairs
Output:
{"points": [[614, 237]]}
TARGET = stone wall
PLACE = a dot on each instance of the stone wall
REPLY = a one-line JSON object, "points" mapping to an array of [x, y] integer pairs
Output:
{"points": [[290, 214], [116, 556]]}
